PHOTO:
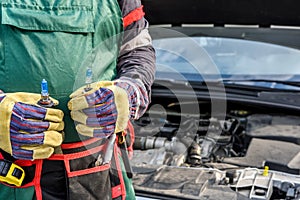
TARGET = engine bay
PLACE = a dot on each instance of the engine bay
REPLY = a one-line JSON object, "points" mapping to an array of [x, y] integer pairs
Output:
{"points": [[250, 152]]}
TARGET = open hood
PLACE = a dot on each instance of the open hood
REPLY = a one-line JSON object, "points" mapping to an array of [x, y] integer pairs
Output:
{"points": [[219, 12], [223, 122]]}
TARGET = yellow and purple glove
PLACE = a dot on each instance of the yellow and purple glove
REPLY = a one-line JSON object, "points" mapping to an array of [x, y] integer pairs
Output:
{"points": [[29, 131], [107, 107]]}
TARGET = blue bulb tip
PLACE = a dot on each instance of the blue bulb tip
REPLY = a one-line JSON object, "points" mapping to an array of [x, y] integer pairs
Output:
{"points": [[44, 88]]}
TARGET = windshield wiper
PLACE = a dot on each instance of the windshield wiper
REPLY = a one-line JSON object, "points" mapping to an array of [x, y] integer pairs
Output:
{"points": [[212, 86], [248, 87], [264, 84]]}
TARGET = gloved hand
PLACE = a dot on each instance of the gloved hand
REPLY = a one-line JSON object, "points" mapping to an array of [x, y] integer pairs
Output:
{"points": [[107, 107], [29, 131]]}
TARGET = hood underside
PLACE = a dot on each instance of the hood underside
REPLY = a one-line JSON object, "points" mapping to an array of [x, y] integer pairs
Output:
{"points": [[220, 12]]}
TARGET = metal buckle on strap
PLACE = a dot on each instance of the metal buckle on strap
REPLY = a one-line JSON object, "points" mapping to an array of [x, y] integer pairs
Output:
{"points": [[11, 173], [121, 137]]}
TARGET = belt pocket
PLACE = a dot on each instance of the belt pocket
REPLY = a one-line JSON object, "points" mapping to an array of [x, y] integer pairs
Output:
{"points": [[30, 171], [30, 188], [86, 180], [44, 179], [74, 175]]}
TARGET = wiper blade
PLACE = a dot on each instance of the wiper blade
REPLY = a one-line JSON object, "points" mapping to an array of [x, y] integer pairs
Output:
{"points": [[249, 87], [263, 84], [226, 82], [293, 83]]}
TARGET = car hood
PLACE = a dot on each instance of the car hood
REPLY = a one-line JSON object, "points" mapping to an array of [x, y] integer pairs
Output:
{"points": [[256, 12], [233, 134]]}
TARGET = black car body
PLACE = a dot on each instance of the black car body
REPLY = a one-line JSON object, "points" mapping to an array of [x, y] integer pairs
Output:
{"points": [[224, 120]]}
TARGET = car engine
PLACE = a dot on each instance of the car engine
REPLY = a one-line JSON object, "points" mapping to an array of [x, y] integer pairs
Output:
{"points": [[248, 153]]}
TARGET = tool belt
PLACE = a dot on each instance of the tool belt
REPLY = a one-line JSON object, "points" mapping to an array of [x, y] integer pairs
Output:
{"points": [[73, 174]]}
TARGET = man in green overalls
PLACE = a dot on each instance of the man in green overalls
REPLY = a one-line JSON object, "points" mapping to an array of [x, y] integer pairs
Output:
{"points": [[58, 40]]}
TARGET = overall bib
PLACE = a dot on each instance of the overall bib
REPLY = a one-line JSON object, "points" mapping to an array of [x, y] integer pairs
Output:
{"points": [[58, 40]]}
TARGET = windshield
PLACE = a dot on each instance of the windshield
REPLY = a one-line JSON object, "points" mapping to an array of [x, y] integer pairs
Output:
{"points": [[227, 57]]}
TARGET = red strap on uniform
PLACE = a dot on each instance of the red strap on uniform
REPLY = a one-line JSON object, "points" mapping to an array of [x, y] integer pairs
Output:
{"points": [[116, 191], [79, 144], [133, 16], [132, 136], [37, 179]]}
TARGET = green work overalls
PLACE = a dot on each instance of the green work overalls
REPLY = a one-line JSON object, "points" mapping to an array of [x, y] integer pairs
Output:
{"points": [[56, 40]]}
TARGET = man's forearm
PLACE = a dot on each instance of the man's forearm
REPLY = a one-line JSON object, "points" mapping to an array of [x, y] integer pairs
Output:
{"points": [[138, 64], [137, 56]]}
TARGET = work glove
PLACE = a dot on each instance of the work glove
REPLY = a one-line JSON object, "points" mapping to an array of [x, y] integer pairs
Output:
{"points": [[27, 130], [108, 105]]}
